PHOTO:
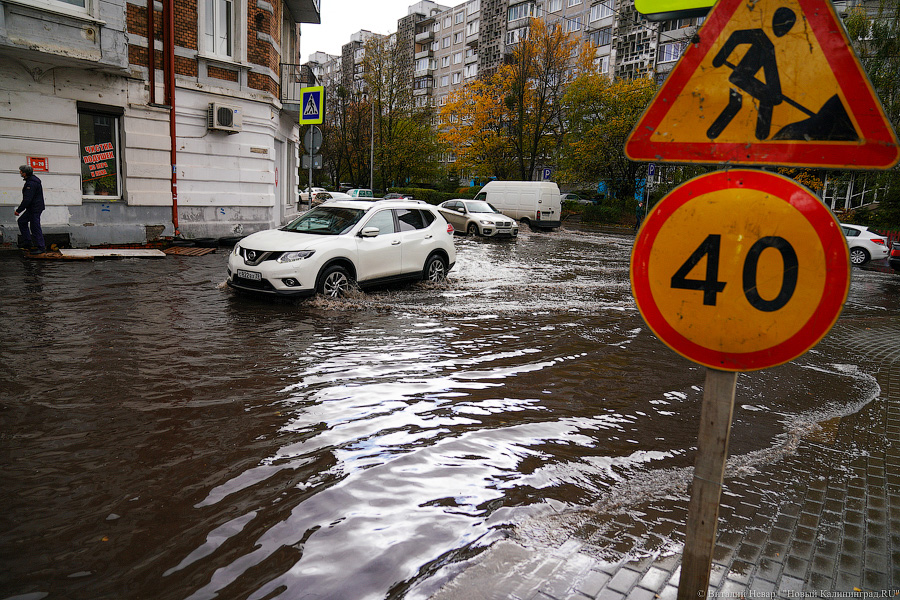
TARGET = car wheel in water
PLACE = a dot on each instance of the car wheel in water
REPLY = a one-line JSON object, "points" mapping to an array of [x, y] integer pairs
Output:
{"points": [[858, 256], [334, 282], [435, 269], [526, 225], [472, 229]]}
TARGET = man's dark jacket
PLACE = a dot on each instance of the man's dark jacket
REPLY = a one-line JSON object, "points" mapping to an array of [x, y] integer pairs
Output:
{"points": [[32, 195]]}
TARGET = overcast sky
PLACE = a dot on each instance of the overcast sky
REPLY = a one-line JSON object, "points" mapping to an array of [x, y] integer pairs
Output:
{"points": [[343, 18]]}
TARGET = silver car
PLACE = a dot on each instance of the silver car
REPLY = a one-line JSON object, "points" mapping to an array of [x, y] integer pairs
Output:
{"points": [[477, 217]]}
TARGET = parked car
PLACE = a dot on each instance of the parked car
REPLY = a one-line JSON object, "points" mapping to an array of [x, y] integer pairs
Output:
{"points": [[576, 198], [396, 196], [306, 192], [342, 243], [864, 245], [535, 203], [894, 258], [476, 217], [360, 193], [326, 196]]}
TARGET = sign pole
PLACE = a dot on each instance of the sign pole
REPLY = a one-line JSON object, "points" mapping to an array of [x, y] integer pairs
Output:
{"points": [[709, 472]]}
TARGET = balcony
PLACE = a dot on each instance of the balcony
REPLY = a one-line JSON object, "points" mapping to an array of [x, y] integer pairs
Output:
{"points": [[425, 53], [423, 37], [305, 11], [293, 79]]}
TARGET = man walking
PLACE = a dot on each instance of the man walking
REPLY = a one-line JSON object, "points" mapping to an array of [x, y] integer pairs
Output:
{"points": [[32, 205], [638, 215]]}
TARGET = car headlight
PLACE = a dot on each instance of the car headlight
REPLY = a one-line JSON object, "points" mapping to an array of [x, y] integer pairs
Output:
{"points": [[296, 255], [486, 222], [237, 250]]}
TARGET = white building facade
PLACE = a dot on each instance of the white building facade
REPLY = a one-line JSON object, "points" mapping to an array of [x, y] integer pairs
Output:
{"points": [[197, 138]]}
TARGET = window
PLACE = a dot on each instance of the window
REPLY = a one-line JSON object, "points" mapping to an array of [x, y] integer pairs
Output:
{"points": [[601, 37], [457, 77], [574, 2], [603, 64], [472, 27], [514, 35], [447, 23], [445, 61], [602, 10], [457, 38], [460, 17], [473, 6], [457, 58], [383, 220], [471, 70], [520, 11], [445, 43], [100, 154], [219, 31], [555, 5], [445, 81], [435, 46], [670, 52], [411, 219], [573, 24]]}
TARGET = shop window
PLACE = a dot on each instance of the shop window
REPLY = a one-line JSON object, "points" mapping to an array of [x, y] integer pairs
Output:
{"points": [[100, 155]]}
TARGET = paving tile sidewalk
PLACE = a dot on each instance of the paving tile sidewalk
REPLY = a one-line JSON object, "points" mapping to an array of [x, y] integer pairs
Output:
{"points": [[824, 521]]}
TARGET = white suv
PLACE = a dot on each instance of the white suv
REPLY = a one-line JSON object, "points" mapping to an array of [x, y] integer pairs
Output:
{"points": [[340, 242]]}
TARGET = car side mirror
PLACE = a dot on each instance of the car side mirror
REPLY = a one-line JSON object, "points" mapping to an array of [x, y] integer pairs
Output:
{"points": [[461, 210], [369, 232]]}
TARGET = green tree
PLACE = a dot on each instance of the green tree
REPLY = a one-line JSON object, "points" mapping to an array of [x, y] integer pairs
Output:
{"points": [[875, 36], [405, 144], [601, 115]]}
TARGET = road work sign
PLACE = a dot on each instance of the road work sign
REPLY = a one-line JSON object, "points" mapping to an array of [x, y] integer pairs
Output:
{"points": [[768, 82], [312, 105], [740, 270]]}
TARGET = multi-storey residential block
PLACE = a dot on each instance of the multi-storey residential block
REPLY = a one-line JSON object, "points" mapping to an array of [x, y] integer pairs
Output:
{"points": [[148, 118]]}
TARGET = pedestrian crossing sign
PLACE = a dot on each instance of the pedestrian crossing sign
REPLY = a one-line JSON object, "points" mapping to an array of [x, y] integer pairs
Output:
{"points": [[771, 82], [312, 105]]}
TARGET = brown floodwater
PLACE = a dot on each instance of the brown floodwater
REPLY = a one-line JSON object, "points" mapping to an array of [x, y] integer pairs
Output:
{"points": [[165, 438]]}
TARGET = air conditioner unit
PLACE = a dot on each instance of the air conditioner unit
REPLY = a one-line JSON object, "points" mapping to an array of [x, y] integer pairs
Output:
{"points": [[224, 117]]}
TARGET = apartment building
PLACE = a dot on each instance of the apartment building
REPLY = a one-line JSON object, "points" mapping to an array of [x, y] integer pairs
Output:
{"points": [[451, 45], [146, 119]]}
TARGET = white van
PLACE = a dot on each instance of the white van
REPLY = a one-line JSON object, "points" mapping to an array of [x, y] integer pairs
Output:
{"points": [[537, 204]]}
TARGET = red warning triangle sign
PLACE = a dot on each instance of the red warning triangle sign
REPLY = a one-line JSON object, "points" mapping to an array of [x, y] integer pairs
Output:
{"points": [[771, 82]]}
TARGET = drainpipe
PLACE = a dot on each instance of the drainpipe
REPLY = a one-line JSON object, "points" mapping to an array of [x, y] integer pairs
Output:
{"points": [[169, 67], [151, 47]]}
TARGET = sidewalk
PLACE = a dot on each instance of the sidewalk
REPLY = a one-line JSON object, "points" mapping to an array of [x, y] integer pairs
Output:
{"points": [[819, 521]]}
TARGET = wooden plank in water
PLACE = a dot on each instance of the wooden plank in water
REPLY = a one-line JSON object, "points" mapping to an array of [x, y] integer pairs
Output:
{"points": [[185, 251], [112, 253]]}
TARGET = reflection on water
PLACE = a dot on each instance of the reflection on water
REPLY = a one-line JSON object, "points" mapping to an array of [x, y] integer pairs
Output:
{"points": [[164, 438]]}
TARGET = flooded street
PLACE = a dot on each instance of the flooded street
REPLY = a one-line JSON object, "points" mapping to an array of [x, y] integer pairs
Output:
{"points": [[163, 437]]}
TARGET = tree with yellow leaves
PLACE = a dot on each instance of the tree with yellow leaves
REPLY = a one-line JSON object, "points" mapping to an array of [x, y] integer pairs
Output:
{"points": [[507, 124]]}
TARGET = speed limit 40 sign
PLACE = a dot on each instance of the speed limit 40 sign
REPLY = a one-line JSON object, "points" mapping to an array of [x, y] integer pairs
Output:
{"points": [[740, 270]]}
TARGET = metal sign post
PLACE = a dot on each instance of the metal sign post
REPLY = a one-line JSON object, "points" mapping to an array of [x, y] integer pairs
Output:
{"points": [[313, 142]]}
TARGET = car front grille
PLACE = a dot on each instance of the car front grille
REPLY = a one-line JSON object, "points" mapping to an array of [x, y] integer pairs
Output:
{"points": [[254, 257]]}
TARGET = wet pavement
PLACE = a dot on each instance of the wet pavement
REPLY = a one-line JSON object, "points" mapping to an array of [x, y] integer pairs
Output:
{"points": [[516, 433]]}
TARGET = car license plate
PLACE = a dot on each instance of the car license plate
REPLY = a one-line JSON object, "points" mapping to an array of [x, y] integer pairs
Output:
{"points": [[249, 275]]}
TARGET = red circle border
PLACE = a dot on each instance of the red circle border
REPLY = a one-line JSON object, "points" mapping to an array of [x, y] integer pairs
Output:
{"points": [[837, 268]]}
